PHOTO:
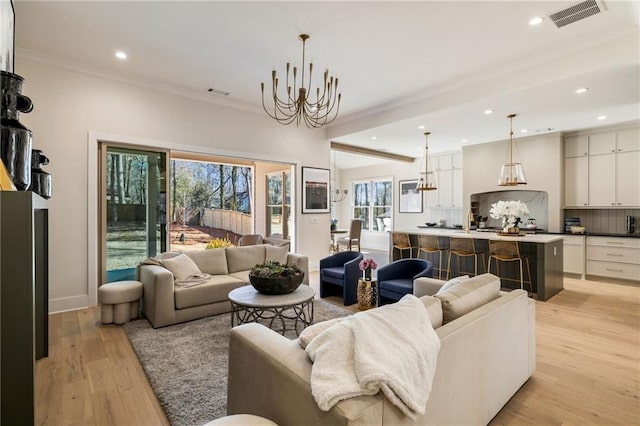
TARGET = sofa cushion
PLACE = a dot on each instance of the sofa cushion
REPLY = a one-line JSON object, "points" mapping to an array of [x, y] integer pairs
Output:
{"points": [[434, 309], [181, 266], [242, 275], [210, 261], [216, 289], [277, 254], [452, 283], [468, 295], [243, 258]]}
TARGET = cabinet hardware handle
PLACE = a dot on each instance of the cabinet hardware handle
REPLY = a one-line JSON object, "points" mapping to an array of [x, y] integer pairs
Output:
{"points": [[614, 254], [615, 242], [614, 270], [585, 204], [613, 150], [619, 149]]}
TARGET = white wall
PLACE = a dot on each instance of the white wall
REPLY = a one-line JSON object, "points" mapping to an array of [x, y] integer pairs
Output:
{"points": [[69, 105], [542, 161]]}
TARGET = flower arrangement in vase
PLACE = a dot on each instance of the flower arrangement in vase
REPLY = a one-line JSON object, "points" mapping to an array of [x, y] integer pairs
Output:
{"points": [[511, 213], [366, 266]]}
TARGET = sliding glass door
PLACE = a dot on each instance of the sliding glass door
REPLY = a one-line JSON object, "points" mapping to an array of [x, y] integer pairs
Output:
{"points": [[133, 209]]}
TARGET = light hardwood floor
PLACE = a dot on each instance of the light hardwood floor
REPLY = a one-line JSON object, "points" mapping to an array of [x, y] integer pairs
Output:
{"points": [[588, 366]]}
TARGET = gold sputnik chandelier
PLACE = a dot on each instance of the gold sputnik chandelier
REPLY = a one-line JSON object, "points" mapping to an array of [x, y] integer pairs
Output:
{"points": [[289, 108], [511, 174], [426, 179]]}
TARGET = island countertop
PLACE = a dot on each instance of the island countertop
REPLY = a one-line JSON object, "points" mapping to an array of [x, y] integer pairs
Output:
{"points": [[483, 235]]}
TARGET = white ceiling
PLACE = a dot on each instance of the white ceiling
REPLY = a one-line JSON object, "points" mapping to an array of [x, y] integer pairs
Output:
{"points": [[400, 64]]}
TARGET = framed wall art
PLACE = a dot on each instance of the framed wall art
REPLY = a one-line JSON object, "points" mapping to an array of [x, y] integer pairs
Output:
{"points": [[410, 197], [7, 35], [315, 190]]}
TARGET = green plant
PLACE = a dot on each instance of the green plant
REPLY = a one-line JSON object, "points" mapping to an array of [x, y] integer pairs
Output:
{"points": [[274, 269], [219, 243]]}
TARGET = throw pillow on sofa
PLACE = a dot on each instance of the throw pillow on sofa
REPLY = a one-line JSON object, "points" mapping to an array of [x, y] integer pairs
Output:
{"points": [[185, 272], [452, 283], [277, 254], [468, 295]]}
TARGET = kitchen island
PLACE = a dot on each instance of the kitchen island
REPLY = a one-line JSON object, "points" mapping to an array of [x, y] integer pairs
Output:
{"points": [[544, 251]]}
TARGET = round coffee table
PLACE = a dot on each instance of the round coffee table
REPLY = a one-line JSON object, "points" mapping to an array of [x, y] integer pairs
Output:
{"points": [[247, 305]]}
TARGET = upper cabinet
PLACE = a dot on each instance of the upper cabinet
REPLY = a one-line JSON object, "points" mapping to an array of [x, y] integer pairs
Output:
{"points": [[448, 174], [603, 169]]}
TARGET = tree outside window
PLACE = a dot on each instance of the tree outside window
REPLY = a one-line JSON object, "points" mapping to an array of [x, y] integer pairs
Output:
{"points": [[372, 202]]}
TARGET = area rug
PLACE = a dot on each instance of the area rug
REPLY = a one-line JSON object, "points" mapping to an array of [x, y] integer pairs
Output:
{"points": [[186, 364]]}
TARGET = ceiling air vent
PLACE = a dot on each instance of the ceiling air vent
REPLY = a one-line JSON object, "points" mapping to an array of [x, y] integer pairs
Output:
{"points": [[576, 12], [218, 92]]}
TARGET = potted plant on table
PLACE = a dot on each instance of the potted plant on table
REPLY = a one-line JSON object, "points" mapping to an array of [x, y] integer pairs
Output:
{"points": [[273, 277], [367, 292]]}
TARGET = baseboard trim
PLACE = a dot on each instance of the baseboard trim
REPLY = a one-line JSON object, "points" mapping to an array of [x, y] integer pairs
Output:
{"points": [[68, 303]]}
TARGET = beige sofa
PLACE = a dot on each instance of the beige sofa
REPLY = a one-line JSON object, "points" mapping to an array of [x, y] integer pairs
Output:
{"points": [[487, 353], [165, 303]]}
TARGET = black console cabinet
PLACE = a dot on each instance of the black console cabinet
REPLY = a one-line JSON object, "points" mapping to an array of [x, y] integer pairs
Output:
{"points": [[24, 260]]}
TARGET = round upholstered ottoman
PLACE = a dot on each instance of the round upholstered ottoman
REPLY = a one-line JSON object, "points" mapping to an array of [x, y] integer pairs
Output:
{"points": [[241, 420], [120, 301]]}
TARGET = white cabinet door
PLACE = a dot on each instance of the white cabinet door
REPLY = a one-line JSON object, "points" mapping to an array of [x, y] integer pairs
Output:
{"points": [[457, 188], [628, 179], [602, 143], [445, 162], [445, 188], [576, 146], [457, 160], [602, 180], [576, 183], [431, 197], [573, 256], [628, 140]]}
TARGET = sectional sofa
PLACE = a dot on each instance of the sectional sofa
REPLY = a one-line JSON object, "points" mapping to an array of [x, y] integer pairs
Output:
{"points": [[165, 303], [487, 353]]}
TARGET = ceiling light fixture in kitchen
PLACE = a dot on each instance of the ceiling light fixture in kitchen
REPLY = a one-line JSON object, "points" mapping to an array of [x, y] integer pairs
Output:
{"points": [[511, 173], [426, 178]]}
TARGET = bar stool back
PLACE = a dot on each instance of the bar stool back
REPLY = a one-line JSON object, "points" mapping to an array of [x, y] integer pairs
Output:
{"points": [[401, 242], [430, 245], [508, 251], [463, 247]]}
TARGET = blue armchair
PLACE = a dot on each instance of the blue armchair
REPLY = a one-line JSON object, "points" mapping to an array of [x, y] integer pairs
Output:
{"points": [[396, 279], [339, 275]]}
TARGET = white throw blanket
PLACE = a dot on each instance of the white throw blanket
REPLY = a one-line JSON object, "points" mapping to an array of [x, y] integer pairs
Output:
{"points": [[393, 348]]}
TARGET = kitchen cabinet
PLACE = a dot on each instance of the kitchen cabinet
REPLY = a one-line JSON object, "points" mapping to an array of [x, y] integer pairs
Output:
{"points": [[628, 178], [448, 177], [602, 169], [602, 143], [614, 257], [576, 146], [602, 180], [576, 181], [574, 254]]}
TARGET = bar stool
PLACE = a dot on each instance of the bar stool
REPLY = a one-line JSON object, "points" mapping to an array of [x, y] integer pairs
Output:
{"points": [[463, 247], [508, 251], [401, 242], [430, 245]]}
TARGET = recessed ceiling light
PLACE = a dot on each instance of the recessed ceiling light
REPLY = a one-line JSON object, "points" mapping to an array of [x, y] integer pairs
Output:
{"points": [[464, 141], [582, 90], [524, 131], [121, 55], [373, 138], [421, 127], [488, 111], [602, 117], [536, 21]]}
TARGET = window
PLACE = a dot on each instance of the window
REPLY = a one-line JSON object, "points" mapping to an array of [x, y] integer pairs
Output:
{"points": [[372, 203], [278, 204]]}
